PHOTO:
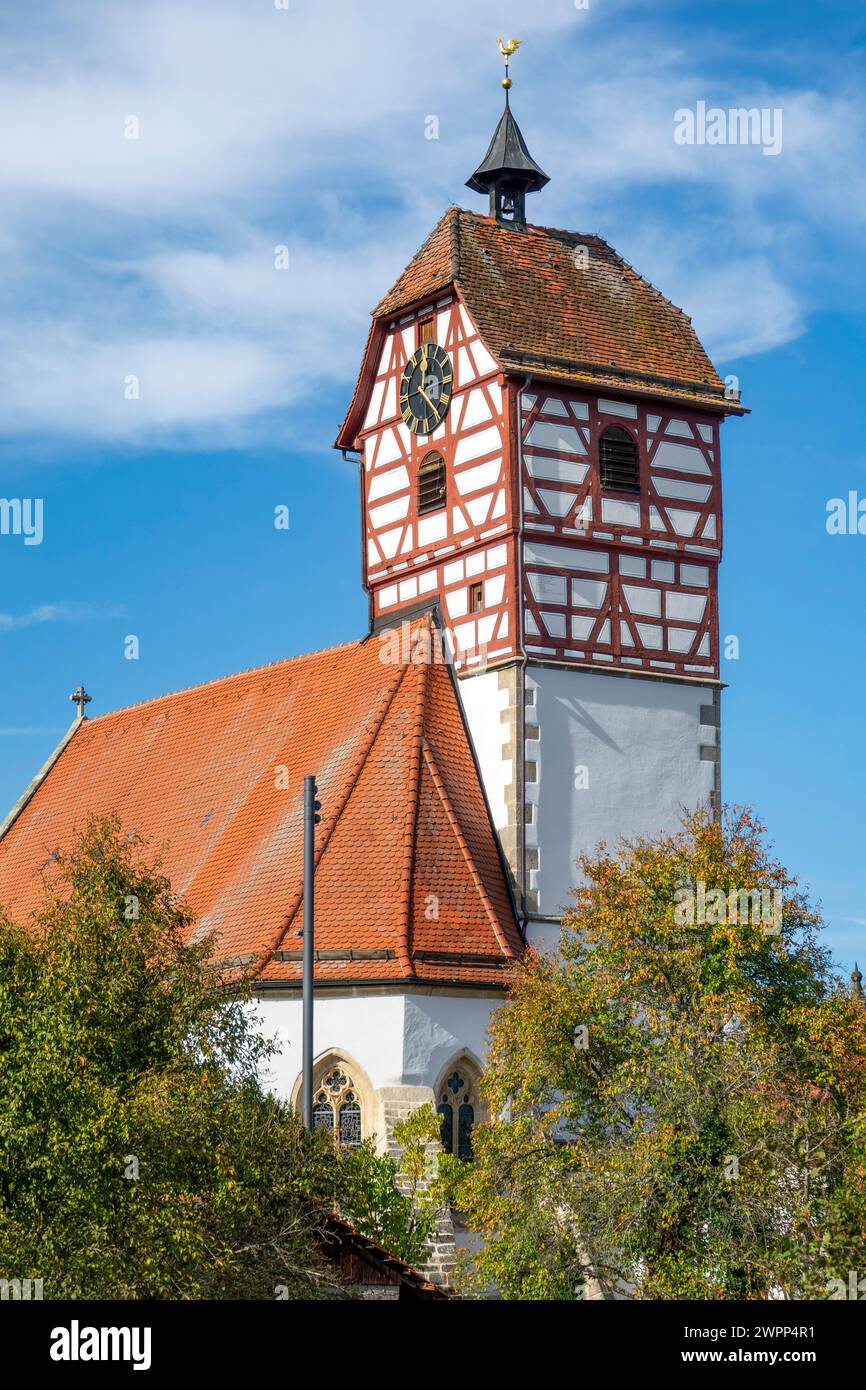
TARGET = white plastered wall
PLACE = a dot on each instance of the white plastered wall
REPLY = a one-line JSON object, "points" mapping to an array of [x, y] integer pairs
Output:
{"points": [[439, 1026], [635, 742], [368, 1026], [400, 1039], [483, 704]]}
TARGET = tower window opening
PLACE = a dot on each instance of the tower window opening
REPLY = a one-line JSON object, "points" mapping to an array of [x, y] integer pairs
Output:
{"points": [[619, 465], [508, 205], [431, 483], [476, 598], [426, 331]]}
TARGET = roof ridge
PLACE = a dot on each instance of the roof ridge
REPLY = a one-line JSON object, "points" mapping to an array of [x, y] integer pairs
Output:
{"points": [[410, 829], [330, 824], [456, 246], [451, 213], [430, 759], [36, 782], [644, 281], [224, 680]]}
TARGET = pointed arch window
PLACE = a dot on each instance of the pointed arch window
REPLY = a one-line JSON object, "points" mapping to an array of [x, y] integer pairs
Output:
{"points": [[456, 1109], [431, 483], [619, 465], [336, 1107]]}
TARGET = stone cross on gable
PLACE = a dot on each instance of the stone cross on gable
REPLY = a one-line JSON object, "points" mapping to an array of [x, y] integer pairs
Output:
{"points": [[81, 698]]}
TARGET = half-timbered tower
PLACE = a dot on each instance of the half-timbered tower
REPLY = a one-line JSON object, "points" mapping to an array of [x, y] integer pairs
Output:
{"points": [[539, 438]]}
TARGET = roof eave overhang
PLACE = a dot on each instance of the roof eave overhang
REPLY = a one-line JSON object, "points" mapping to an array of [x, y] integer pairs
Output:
{"points": [[639, 384]]}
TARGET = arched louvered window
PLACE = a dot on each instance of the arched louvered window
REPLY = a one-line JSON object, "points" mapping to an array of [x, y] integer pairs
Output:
{"points": [[431, 483], [618, 461]]}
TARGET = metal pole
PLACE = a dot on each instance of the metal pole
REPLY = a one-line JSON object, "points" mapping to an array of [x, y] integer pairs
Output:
{"points": [[311, 806]]}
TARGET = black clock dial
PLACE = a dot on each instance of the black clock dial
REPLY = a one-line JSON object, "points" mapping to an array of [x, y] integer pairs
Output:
{"points": [[425, 389]]}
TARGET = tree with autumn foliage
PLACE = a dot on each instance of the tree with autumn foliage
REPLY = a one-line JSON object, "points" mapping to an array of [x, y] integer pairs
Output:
{"points": [[680, 1094], [139, 1155]]}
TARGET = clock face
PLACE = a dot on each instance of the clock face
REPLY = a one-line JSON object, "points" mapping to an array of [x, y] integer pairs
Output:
{"points": [[425, 390]]}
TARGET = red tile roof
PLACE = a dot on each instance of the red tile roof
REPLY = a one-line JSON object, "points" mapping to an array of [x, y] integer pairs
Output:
{"points": [[541, 310], [410, 884]]}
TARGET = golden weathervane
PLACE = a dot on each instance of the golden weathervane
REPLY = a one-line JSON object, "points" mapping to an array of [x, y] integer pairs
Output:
{"points": [[508, 50]]}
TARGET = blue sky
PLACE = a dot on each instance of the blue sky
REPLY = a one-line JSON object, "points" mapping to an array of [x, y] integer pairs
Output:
{"points": [[305, 127]]}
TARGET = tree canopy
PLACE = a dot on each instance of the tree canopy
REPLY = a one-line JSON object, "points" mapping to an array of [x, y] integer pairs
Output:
{"points": [[139, 1155], [679, 1096]]}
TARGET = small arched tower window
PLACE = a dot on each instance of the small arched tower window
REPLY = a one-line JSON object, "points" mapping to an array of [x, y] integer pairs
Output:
{"points": [[336, 1107], [431, 483], [457, 1104], [618, 461]]}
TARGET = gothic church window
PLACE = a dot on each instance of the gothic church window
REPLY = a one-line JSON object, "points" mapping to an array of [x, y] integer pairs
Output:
{"points": [[456, 1110], [431, 483], [619, 465], [336, 1107]]}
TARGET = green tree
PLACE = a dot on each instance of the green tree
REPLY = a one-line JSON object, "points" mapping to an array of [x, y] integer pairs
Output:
{"points": [[139, 1156], [680, 1094], [396, 1202]]}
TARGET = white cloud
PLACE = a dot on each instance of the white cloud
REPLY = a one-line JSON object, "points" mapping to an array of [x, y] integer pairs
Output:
{"points": [[64, 611], [260, 126]]}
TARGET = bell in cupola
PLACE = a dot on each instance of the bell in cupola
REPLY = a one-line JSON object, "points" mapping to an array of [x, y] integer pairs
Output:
{"points": [[508, 172]]}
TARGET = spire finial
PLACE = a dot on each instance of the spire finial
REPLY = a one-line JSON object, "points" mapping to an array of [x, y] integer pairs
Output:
{"points": [[81, 698], [857, 982], [508, 50], [508, 172]]}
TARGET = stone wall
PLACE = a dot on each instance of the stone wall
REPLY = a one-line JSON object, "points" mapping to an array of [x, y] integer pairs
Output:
{"points": [[396, 1104]]}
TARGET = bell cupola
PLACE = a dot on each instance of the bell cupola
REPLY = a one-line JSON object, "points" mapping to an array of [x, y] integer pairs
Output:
{"points": [[508, 172]]}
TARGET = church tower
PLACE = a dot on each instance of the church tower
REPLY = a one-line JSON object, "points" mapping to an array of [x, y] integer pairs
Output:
{"points": [[539, 438]]}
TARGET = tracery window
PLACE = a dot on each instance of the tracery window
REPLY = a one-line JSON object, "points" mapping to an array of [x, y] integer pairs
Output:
{"points": [[336, 1107], [456, 1109]]}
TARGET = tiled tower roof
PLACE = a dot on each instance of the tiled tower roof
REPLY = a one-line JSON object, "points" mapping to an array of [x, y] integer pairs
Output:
{"points": [[556, 304]]}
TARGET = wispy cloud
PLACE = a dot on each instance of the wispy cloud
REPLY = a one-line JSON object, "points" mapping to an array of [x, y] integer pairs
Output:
{"points": [[62, 612], [302, 127]]}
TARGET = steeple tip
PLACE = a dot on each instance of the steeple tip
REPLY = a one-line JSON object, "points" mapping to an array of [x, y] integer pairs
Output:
{"points": [[508, 172]]}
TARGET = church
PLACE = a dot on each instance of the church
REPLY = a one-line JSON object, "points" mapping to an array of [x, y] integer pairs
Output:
{"points": [[536, 430]]}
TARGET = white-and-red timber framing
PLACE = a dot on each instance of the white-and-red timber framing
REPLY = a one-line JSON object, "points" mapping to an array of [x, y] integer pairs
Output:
{"points": [[569, 572]]}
